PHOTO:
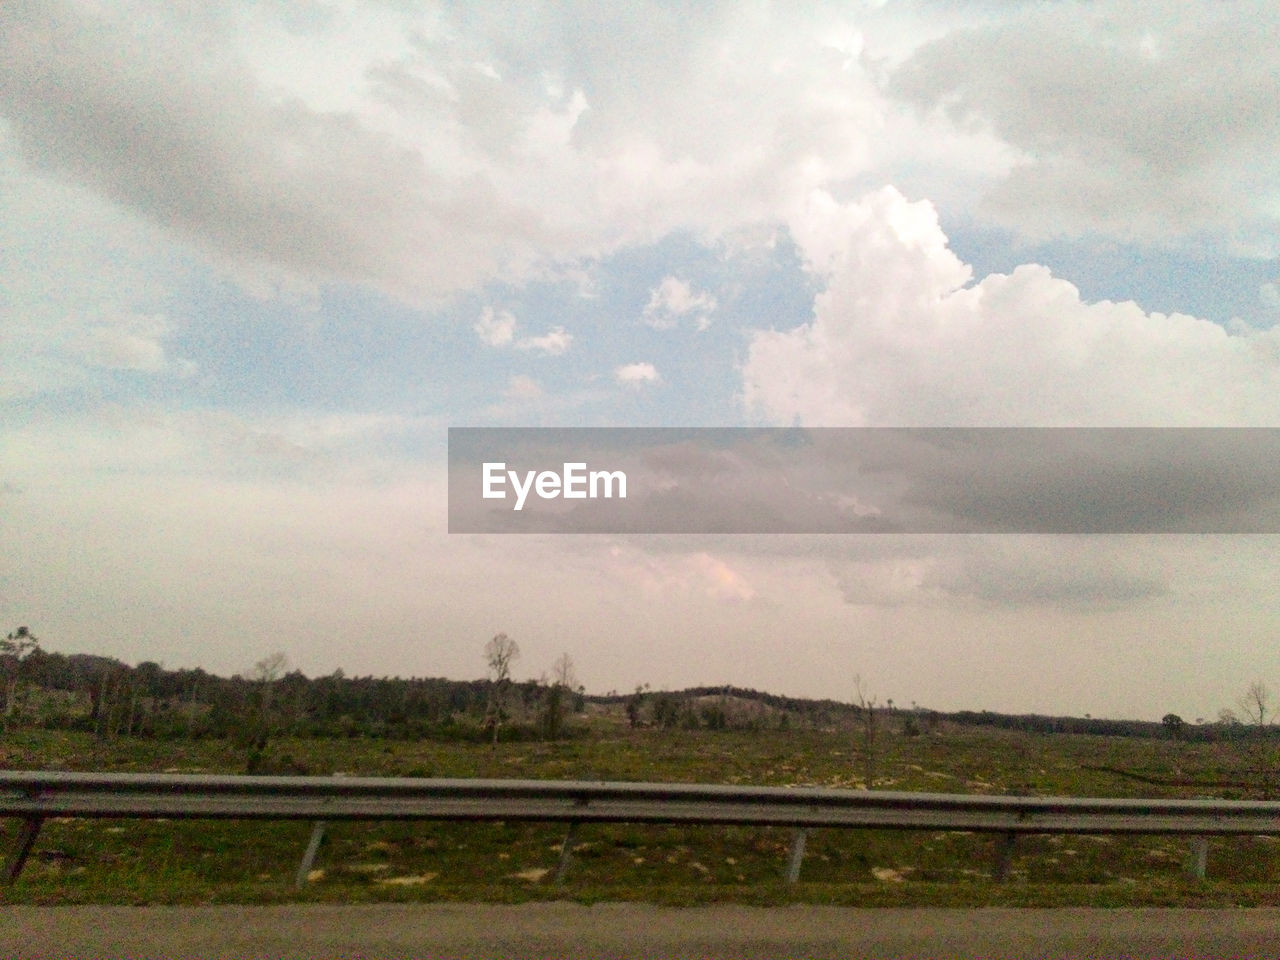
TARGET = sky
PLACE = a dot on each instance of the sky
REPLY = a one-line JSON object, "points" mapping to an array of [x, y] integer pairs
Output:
{"points": [[257, 258]]}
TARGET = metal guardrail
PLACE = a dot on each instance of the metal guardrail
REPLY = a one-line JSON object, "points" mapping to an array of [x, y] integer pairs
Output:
{"points": [[35, 796]]}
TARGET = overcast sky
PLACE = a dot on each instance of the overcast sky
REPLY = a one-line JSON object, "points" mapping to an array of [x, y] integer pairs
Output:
{"points": [[256, 258]]}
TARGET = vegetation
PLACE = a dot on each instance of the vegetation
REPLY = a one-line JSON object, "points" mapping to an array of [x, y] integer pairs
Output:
{"points": [[92, 713], [200, 861]]}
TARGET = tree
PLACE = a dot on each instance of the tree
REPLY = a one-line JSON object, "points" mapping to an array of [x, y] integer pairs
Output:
{"points": [[634, 704], [1254, 744], [19, 644], [14, 651], [554, 697], [867, 706], [666, 711], [563, 674], [499, 654], [261, 720], [551, 714], [269, 669], [1174, 724], [1255, 703]]}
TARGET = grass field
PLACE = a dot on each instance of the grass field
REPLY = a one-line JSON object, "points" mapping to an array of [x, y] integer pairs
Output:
{"points": [[218, 861]]}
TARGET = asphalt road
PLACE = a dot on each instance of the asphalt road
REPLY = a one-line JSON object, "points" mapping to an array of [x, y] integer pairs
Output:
{"points": [[629, 930]]}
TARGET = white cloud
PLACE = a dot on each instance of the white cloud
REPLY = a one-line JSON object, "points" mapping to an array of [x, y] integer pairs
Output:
{"points": [[521, 387], [691, 574], [722, 581], [636, 374], [131, 342], [672, 300], [495, 328], [51, 355], [552, 343], [425, 155], [368, 146], [898, 338]]}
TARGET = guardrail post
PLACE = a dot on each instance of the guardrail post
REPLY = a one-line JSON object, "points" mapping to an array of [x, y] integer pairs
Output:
{"points": [[1004, 855], [1199, 856], [309, 857], [26, 840], [797, 854], [566, 852]]}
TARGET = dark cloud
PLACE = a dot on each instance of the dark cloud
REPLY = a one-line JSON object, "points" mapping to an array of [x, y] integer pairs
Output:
{"points": [[1148, 120], [171, 123], [1030, 581]]}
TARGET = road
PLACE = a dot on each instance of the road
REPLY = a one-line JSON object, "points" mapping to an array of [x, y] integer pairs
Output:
{"points": [[547, 930]]}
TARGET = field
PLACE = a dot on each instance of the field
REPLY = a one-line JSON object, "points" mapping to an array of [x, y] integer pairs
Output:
{"points": [[131, 861]]}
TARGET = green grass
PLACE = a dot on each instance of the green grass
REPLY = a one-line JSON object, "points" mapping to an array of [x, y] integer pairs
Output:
{"points": [[138, 861]]}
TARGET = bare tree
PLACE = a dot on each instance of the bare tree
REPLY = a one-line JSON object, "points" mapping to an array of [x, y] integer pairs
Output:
{"points": [[265, 673], [563, 674], [499, 654], [1253, 743], [554, 702], [1256, 703], [261, 721], [867, 724]]}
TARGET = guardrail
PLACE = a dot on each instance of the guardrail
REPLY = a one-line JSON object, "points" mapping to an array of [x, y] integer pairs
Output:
{"points": [[35, 796]]}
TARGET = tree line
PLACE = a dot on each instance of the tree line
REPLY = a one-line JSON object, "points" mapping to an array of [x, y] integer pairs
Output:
{"points": [[109, 698]]}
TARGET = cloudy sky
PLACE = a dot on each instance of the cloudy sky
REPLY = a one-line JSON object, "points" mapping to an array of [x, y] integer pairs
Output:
{"points": [[256, 258]]}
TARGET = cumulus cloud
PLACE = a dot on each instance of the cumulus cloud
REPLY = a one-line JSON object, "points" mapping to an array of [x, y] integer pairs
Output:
{"points": [[552, 343], [672, 300], [131, 342], [900, 336], [424, 156], [1149, 121], [496, 328], [636, 375]]}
